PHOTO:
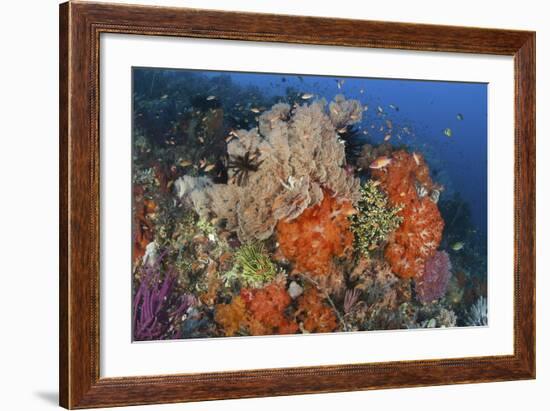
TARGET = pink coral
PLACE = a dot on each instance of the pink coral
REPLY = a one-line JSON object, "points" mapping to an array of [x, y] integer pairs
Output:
{"points": [[435, 277]]}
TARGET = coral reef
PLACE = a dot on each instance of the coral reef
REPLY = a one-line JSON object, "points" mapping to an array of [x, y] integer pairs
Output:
{"points": [[259, 213], [406, 180], [374, 219], [156, 308], [317, 236], [432, 283], [281, 168]]}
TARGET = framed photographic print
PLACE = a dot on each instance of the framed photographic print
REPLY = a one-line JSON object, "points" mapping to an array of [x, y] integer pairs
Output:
{"points": [[256, 205]]}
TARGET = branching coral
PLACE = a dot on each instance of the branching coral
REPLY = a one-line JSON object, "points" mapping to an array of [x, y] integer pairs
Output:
{"points": [[374, 219], [156, 309], [420, 233], [297, 157], [319, 234], [252, 266], [433, 281]]}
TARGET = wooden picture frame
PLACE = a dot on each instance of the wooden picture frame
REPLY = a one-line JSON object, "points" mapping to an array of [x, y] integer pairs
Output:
{"points": [[80, 27]]}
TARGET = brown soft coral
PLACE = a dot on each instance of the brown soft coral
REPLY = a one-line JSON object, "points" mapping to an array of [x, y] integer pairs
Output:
{"points": [[315, 316], [266, 307], [296, 153], [319, 234], [232, 317], [407, 181]]}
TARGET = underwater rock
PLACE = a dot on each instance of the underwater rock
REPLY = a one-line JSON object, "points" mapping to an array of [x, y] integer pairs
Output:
{"points": [[432, 283], [317, 236], [295, 290], [151, 254], [281, 168], [419, 235]]}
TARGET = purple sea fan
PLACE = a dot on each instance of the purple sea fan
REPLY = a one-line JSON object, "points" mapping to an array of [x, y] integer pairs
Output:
{"points": [[156, 309], [433, 282]]}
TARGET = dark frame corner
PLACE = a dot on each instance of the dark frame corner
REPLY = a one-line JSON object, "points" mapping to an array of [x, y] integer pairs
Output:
{"points": [[80, 27]]}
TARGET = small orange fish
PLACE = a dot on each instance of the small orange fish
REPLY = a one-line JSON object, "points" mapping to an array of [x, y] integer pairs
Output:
{"points": [[380, 162]]}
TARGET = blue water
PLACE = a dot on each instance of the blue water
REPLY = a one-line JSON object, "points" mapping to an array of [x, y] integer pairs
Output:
{"points": [[426, 109]]}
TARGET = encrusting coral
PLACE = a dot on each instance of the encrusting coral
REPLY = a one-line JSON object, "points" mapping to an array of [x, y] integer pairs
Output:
{"points": [[317, 236], [374, 219], [406, 180], [297, 160]]}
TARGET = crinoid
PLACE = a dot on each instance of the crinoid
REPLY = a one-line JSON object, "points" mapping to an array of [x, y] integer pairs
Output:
{"points": [[241, 166]]}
